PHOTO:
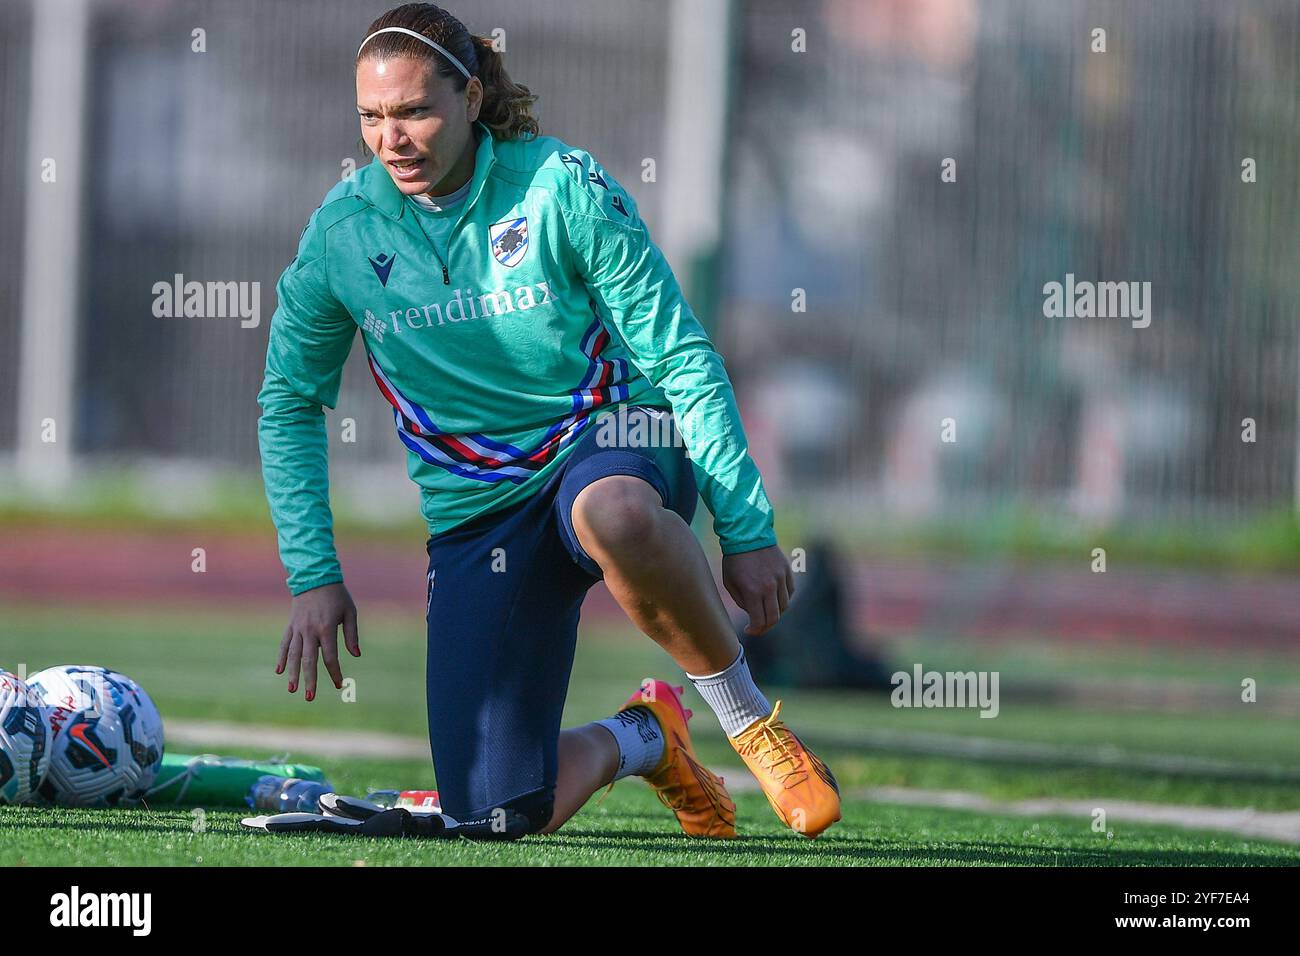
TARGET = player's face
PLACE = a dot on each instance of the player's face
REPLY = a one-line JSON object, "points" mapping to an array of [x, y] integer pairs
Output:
{"points": [[417, 124]]}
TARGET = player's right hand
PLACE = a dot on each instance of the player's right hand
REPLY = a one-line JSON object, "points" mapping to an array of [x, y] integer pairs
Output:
{"points": [[314, 619]]}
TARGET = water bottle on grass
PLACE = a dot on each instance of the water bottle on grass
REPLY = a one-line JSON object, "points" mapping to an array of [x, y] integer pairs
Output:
{"points": [[286, 794]]}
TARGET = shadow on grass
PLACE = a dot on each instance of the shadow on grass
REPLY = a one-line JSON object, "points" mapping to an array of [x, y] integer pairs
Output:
{"points": [[848, 849], [618, 844]]}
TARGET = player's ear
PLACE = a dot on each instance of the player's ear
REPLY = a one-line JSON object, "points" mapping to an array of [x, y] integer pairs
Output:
{"points": [[473, 98]]}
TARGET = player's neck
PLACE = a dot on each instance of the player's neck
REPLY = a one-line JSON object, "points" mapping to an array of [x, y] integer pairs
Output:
{"points": [[463, 171]]}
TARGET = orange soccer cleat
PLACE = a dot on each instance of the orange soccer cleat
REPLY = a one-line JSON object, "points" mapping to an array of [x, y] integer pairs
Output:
{"points": [[801, 789], [684, 785]]}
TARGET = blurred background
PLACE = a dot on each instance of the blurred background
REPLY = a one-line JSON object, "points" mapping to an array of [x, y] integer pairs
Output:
{"points": [[1105, 514]]}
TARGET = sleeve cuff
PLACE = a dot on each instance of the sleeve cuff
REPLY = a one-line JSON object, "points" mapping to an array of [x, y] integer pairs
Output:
{"points": [[313, 583], [756, 544]]}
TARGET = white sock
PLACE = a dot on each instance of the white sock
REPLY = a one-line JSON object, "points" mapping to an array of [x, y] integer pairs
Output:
{"points": [[734, 696], [640, 741]]}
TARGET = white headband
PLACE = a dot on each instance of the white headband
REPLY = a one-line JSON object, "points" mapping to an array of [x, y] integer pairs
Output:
{"points": [[419, 36]]}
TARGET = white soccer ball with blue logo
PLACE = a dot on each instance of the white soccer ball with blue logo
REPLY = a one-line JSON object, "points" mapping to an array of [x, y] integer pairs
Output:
{"points": [[106, 740], [24, 740]]}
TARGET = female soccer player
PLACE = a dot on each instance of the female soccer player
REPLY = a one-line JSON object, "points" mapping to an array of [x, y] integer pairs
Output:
{"points": [[507, 292]]}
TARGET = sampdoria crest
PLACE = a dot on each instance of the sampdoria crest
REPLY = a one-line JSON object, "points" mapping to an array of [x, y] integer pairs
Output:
{"points": [[509, 240]]}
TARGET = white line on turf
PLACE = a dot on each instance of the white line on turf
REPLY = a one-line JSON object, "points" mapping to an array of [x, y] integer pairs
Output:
{"points": [[326, 743], [1266, 825], [1036, 752]]}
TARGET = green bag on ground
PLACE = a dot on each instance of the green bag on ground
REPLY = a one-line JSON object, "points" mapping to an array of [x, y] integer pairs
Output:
{"points": [[208, 780]]}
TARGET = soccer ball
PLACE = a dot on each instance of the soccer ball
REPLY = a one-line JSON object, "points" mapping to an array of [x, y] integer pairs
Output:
{"points": [[24, 749], [106, 741]]}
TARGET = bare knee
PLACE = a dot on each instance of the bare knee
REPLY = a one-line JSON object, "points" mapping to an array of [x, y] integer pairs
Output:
{"points": [[616, 515]]}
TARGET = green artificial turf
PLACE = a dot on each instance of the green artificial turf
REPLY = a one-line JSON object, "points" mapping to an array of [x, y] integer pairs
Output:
{"points": [[216, 664], [628, 828]]}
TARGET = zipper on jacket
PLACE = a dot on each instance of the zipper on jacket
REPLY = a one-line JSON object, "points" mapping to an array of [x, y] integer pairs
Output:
{"points": [[451, 236], [446, 276]]}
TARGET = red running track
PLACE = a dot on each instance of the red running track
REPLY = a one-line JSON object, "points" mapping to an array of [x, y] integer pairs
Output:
{"points": [[979, 600]]}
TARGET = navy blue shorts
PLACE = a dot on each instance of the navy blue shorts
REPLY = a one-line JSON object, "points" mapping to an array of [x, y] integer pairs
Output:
{"points": [[504, 595]]}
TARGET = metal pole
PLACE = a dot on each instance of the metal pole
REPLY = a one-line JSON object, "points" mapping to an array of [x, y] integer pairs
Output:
{"points": [[51, 278], [697, 129]]}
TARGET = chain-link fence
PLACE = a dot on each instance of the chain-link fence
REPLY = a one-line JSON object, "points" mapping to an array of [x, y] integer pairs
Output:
{"points": [[925, 292], [903, 179]]}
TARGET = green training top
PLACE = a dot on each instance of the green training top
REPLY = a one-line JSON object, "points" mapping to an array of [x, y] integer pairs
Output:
{"points": [[549, 306]]}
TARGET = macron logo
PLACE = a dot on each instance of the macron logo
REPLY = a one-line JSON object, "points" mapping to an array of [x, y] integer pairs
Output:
{"points": [[383, 265]]}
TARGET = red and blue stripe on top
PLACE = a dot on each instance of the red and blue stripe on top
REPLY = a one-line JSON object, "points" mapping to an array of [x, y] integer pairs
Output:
{"points": [[479, 457]]}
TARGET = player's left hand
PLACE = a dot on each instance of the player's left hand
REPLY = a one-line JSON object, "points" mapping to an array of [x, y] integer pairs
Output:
{"points": [[315, 617], [762, 583]]}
